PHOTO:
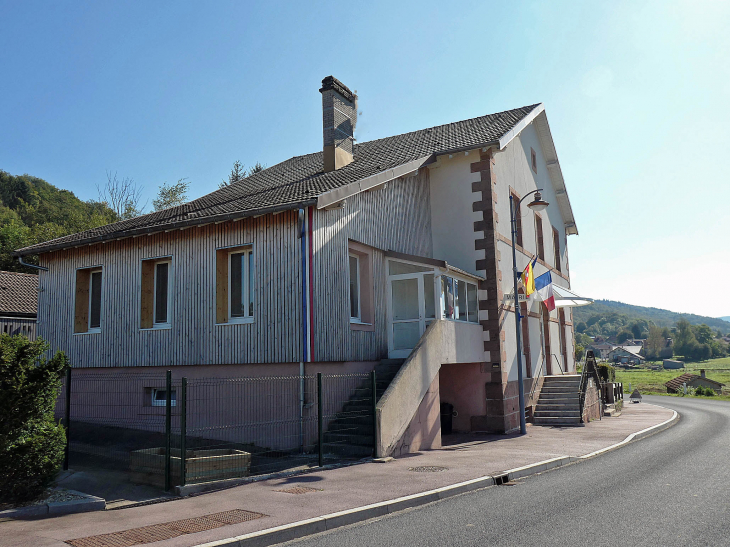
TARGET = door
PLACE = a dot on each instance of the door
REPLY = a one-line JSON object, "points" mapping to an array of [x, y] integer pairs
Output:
{"points": [[411, 298]]}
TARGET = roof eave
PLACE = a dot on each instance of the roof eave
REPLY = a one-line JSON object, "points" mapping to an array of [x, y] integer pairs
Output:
{"points": [[27, 251]]}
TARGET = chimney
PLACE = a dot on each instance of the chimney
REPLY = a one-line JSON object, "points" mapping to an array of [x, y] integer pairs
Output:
{"points": [[339, 116], [702, 372]]}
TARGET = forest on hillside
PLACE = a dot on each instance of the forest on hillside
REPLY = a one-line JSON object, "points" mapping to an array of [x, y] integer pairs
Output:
{"points": [[33, 210]]}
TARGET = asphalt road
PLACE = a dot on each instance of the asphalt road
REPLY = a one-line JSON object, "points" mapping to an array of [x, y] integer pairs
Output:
{"points": [[672, 488]]}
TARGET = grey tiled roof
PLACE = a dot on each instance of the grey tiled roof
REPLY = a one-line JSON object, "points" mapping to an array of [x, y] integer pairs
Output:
{"points": [[18, 293], [299, 180]]}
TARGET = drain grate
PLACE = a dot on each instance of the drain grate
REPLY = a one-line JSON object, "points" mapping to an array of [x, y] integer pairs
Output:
{"points": [[167, 530], [428, 469], [299, 490]]}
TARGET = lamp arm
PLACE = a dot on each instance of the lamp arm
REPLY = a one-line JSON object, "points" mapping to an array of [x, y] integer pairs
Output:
{"points": [[528, 194]]}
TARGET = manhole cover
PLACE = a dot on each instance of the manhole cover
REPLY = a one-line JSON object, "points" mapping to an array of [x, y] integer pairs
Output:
{"points": [[299, 490], [166, 530], [428, 469]]}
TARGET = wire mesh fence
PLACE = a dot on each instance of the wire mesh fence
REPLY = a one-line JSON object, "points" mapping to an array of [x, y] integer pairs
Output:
{"points": [[165, 431]]}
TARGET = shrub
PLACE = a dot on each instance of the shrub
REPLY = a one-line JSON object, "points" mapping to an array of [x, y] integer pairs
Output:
{"points": [[706, 391], [607, 373], [31, 442]]}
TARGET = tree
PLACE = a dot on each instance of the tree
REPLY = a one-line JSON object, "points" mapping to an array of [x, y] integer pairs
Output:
{"points": [[581, 327], [655, 343], [171, 195], [31, 442], [684, 339], [703, 333], [622, 336], [121, 195], [580, 351], [238, 173]]}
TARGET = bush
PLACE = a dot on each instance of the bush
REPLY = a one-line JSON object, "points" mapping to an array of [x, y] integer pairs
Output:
{"points": [[706, 391], [31, 442], [607, 373]]}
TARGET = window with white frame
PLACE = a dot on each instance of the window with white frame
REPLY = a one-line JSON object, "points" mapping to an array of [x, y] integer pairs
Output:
{"points": [[88, 300], [156, 294], [355, 314], [459, 300], [241, 285]]}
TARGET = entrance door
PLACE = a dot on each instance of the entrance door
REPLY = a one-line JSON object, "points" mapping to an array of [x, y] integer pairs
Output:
{"points": [[411, 308]]}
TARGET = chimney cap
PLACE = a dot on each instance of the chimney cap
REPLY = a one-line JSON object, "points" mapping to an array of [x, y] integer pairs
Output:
{"points": [[330, 82]]}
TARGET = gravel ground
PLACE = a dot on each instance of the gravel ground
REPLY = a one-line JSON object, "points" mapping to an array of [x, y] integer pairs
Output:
{"points": [[48, 496]]}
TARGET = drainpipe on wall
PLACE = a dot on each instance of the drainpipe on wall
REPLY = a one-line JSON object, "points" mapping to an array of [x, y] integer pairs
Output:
{"points": [[303, 356]]}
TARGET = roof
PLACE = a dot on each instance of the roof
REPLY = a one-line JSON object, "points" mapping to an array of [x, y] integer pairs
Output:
{"points": [[676, 383], [299, 181], [18, 294]]}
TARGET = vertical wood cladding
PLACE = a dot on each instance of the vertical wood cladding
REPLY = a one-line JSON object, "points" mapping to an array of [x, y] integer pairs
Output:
{"points": [[194, 337], [396, 218]]}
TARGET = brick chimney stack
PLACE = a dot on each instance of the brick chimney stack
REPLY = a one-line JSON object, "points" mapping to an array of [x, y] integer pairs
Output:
{"points": [[339, 116], [702, 372]]}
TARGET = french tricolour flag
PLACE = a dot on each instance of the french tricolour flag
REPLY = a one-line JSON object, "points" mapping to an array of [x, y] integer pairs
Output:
{"points": [[544, 290]]}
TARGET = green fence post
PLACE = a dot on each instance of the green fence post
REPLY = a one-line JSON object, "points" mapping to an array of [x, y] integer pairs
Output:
{"points": [[67, 419], [168, 427], [320, 421], [183, 427], [375, 418]]}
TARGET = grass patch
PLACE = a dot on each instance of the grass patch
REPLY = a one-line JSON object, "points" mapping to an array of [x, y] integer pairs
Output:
{"points": [[650, 382]]}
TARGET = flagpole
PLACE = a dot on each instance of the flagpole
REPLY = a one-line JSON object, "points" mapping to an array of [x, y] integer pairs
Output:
{"points": [[537, 204]]}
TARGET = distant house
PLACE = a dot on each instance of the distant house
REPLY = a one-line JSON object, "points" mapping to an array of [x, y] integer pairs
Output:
{"points": [[601, 349], [672, 364], [625, 355], [18, 303], [693, 380]]}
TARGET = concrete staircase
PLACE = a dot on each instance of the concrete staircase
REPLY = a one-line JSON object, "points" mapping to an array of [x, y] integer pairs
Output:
{"points": [[351, 433], [559, 402]]}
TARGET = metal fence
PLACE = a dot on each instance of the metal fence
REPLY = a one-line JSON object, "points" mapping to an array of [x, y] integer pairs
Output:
{"points": [[164, 431]]}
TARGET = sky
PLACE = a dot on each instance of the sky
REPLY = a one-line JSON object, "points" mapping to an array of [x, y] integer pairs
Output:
{"points": [[635, 94]]}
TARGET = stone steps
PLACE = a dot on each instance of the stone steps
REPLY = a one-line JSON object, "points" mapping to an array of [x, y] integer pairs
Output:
{"points": [[559, 402]]}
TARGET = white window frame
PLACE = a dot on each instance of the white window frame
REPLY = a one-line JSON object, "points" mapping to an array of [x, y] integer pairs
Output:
{"points": [[441, 304], [167, 324], [94, 330], [156, 402], [248, 286], [354, 318]]}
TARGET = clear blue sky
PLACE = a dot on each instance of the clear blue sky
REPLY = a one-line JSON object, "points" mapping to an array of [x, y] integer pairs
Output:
{"points": [[636, 95]]}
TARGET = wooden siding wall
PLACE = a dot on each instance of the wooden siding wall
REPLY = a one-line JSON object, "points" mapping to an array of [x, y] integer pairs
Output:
{"points": [[18, 325], [396, 218], [273, 337]]}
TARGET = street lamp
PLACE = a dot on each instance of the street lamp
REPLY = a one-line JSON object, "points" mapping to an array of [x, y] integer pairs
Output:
{"points": [[536, 204]]}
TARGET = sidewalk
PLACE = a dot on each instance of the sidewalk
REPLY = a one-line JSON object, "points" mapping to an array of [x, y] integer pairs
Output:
{"points": [[344, 488]]}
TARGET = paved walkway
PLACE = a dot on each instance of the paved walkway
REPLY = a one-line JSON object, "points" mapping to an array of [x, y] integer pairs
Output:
{"points": [[344, 488]]}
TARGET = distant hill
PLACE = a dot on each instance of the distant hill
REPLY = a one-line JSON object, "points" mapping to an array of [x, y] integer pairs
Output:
{"points": [[660, 317], [726, 318], [33, 210]]}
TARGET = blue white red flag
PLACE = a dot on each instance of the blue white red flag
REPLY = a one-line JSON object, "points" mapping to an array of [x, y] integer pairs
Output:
{"points": [[544, 290]]}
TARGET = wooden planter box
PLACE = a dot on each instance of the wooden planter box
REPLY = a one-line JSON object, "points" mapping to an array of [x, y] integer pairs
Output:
{"points": [[148, 465]]}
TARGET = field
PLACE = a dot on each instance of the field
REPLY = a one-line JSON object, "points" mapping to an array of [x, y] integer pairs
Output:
{"points": [[652, 382]]}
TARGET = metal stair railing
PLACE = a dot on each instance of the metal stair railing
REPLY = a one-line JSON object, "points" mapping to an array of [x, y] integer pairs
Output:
{"points": [[559, 366]]}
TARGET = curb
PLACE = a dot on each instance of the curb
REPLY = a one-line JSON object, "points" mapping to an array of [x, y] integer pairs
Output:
{"points": [[302, 528], [57, 508]]}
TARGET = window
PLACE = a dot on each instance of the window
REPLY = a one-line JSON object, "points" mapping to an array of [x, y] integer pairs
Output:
{"points": [[159, 397], [540, 243], [88, 300], [459, 300], [533, 159], [556, 248], [518, 219], [360, 286], [156, 293], [354, 288], [241, 285]]}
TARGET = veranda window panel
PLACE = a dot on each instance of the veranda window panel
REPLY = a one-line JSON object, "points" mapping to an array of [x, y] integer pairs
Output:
{"points": [[405, 299], [461, 306], [428, 296], [449, 313], [471, 297]]}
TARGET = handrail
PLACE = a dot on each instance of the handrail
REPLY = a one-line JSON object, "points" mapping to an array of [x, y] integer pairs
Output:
{"points": [[534, 383], [560, 367], [590, 360]]}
